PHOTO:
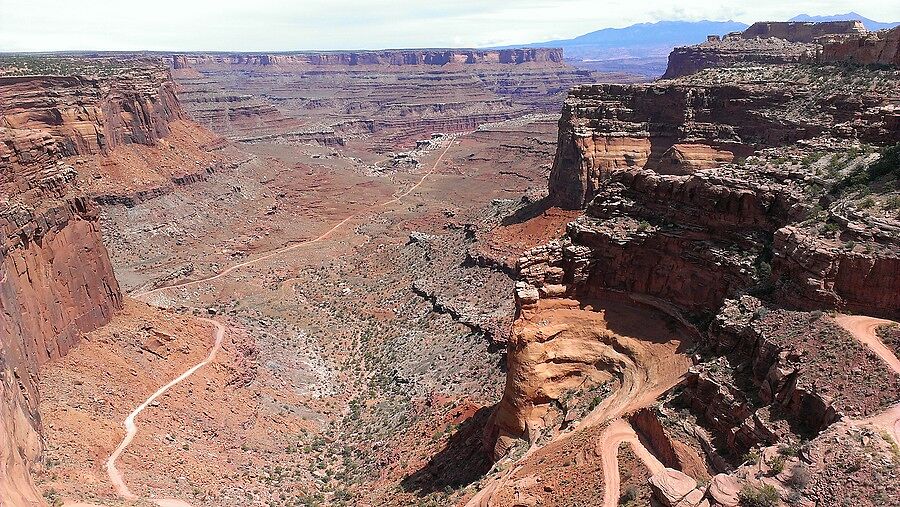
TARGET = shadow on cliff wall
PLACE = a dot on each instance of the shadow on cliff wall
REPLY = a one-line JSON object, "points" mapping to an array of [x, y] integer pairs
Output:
{"points": [[463, 461], [527, 212]]}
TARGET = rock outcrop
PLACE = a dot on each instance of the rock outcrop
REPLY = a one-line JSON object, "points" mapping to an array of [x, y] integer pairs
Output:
{"points": [[817, 274], [691, 240], [780, 43], [56, 279], [699, 192], [730, 51], [398, 57], [680, 126], [798, 31], [882, 47]]}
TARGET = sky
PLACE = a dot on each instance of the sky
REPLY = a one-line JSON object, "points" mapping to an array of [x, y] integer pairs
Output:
{"points": [[282, 25]]}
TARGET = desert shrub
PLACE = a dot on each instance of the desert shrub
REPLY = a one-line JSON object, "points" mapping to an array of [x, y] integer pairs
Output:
{"points": [[777, 464], [758, 496], [799, 477], [793, 449], [752, 456], [887, 164], [629, 496], [892, 202]]}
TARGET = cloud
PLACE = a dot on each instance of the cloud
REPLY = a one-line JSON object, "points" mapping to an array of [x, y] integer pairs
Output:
{"points": [[173, 25]]}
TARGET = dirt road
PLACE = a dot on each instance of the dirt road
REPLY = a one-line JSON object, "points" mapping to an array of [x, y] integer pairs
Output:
{"points": [[294, 246], [648, 370], [863, 329], [115, 476], [617, 432]]}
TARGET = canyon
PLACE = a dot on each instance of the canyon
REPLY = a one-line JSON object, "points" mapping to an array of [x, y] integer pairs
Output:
{"points": [[453, 277]]}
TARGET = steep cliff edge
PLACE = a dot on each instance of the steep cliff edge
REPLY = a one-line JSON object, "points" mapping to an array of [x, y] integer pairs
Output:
{"points": [[393, 58], [882, 47], [711, 118], [781, 43], [56, 279], [740, 203]]}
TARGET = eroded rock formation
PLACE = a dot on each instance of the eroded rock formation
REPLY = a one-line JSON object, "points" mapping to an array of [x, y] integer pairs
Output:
{"points": [[741, 202], [399, 57], [780, 43], [882, 47], [680, 126], [797, 31], [56, 279]]}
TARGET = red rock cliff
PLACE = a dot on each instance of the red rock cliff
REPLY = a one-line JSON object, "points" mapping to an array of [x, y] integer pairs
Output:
{"points": [[56, 279], [881, 47], [399, 57], [687, 124]]}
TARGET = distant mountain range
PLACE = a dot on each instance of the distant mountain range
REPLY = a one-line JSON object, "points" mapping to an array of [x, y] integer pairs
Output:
{"points": [[639, 41], [643, 49], [868, 23]]}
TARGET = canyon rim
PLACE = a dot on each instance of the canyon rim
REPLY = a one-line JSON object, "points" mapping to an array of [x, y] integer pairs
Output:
{"points": [[455, 276]]}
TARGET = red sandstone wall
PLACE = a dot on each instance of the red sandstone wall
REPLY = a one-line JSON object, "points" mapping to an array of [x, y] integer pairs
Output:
{"points": [[384, 58], [870, 48], [56, 279]]}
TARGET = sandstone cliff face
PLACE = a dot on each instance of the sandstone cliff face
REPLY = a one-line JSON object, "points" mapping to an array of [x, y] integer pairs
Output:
{"points": [[388, 99], [50, 117], [732, 51], [378, 58], [56, 280], [690, 240], [781, 43], [795, 31], [675, 216], [882, 47], [680, 126]]}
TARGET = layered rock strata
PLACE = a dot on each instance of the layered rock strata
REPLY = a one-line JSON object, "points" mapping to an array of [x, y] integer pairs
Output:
{"points": [[796, 31], [56, 279], [683, 125], [697, 192], [882, 47], [730, 51], [780, 43], [400, 57], [386, 100]]}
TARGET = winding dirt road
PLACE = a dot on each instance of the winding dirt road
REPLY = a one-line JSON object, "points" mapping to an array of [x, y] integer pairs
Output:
{"points": [[131, 428], [115, 476], [617, 432], [294, 246], [647, 371], [863, 329]]}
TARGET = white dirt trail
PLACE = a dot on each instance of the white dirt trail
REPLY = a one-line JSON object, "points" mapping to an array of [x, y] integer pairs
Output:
{"points": [[617, 432], [294, 246], [115, 476], [863, 329]]}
